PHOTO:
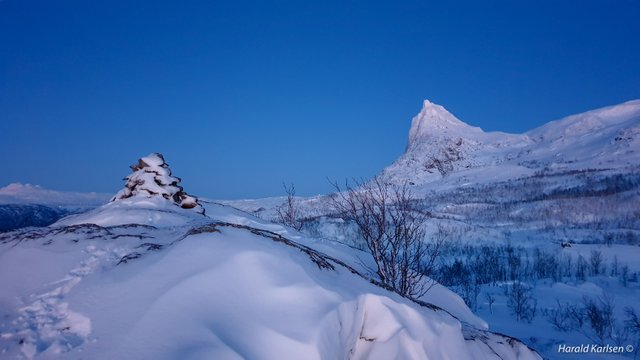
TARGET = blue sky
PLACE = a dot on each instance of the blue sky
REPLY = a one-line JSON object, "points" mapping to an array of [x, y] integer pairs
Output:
{"points": [[243, 95]]}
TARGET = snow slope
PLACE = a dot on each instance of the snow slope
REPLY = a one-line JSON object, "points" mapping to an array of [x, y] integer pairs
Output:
{"points": [[143, 278]]}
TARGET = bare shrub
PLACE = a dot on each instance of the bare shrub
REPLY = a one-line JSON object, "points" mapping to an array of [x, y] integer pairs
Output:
{"points": [[491, 298], [392, 226], [632, 324], [599, 315], [289, 213], [595, 261], [581, 268], [521, 301], [567, 317]]}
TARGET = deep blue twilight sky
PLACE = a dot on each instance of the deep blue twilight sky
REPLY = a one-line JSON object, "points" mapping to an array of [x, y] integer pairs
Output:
{"points": [[241, 96]]}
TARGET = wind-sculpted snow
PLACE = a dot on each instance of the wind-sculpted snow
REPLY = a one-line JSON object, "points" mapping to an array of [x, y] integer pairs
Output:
{"points": [[212, 288]]}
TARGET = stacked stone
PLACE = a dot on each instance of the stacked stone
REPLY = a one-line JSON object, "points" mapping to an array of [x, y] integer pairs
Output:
{"points": [[152, 177]]}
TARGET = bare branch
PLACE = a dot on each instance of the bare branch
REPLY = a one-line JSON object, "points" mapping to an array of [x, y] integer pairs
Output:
{"points": [[289, 212], [393, 230]]}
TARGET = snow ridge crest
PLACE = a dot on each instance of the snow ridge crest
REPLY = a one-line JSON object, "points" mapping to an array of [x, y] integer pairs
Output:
{"points": [[434, 120]]}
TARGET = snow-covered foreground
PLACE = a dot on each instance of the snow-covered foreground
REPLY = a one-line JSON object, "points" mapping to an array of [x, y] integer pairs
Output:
{"points": [[143, 279]]}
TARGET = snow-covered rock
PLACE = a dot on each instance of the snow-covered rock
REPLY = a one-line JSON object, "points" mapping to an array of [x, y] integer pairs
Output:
{"points": [[152, 177]]}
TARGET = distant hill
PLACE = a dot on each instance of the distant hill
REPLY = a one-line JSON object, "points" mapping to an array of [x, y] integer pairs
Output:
{"points": [[23, 205]]}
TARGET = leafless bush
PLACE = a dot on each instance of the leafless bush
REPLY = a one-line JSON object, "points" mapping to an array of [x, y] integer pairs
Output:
{"points": [[491, 298], [599, 315], [581, 268], [595, 260], [567, 317], [521, 301], [392, 226], [615, 266], [624, 275], [632, 323], [289, 212], [633, 320]]}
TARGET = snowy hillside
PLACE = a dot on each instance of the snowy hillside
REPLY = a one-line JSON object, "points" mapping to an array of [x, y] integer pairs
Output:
{"points": [[142, 278]]}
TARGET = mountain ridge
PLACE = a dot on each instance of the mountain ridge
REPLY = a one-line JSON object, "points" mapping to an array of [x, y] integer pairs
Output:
{"points": [[440, 144], [19, 193], [23, 205]]}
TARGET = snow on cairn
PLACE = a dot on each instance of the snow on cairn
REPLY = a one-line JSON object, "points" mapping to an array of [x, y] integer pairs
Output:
{"points": [[152, 177]]}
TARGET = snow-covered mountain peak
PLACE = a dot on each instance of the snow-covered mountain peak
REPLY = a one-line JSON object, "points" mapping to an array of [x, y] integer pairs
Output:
{"points": [[18, 187], [435, 120], [441, 145]]}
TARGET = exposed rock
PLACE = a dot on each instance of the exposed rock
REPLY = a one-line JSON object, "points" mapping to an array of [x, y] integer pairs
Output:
{"points": [[152, 177]]}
